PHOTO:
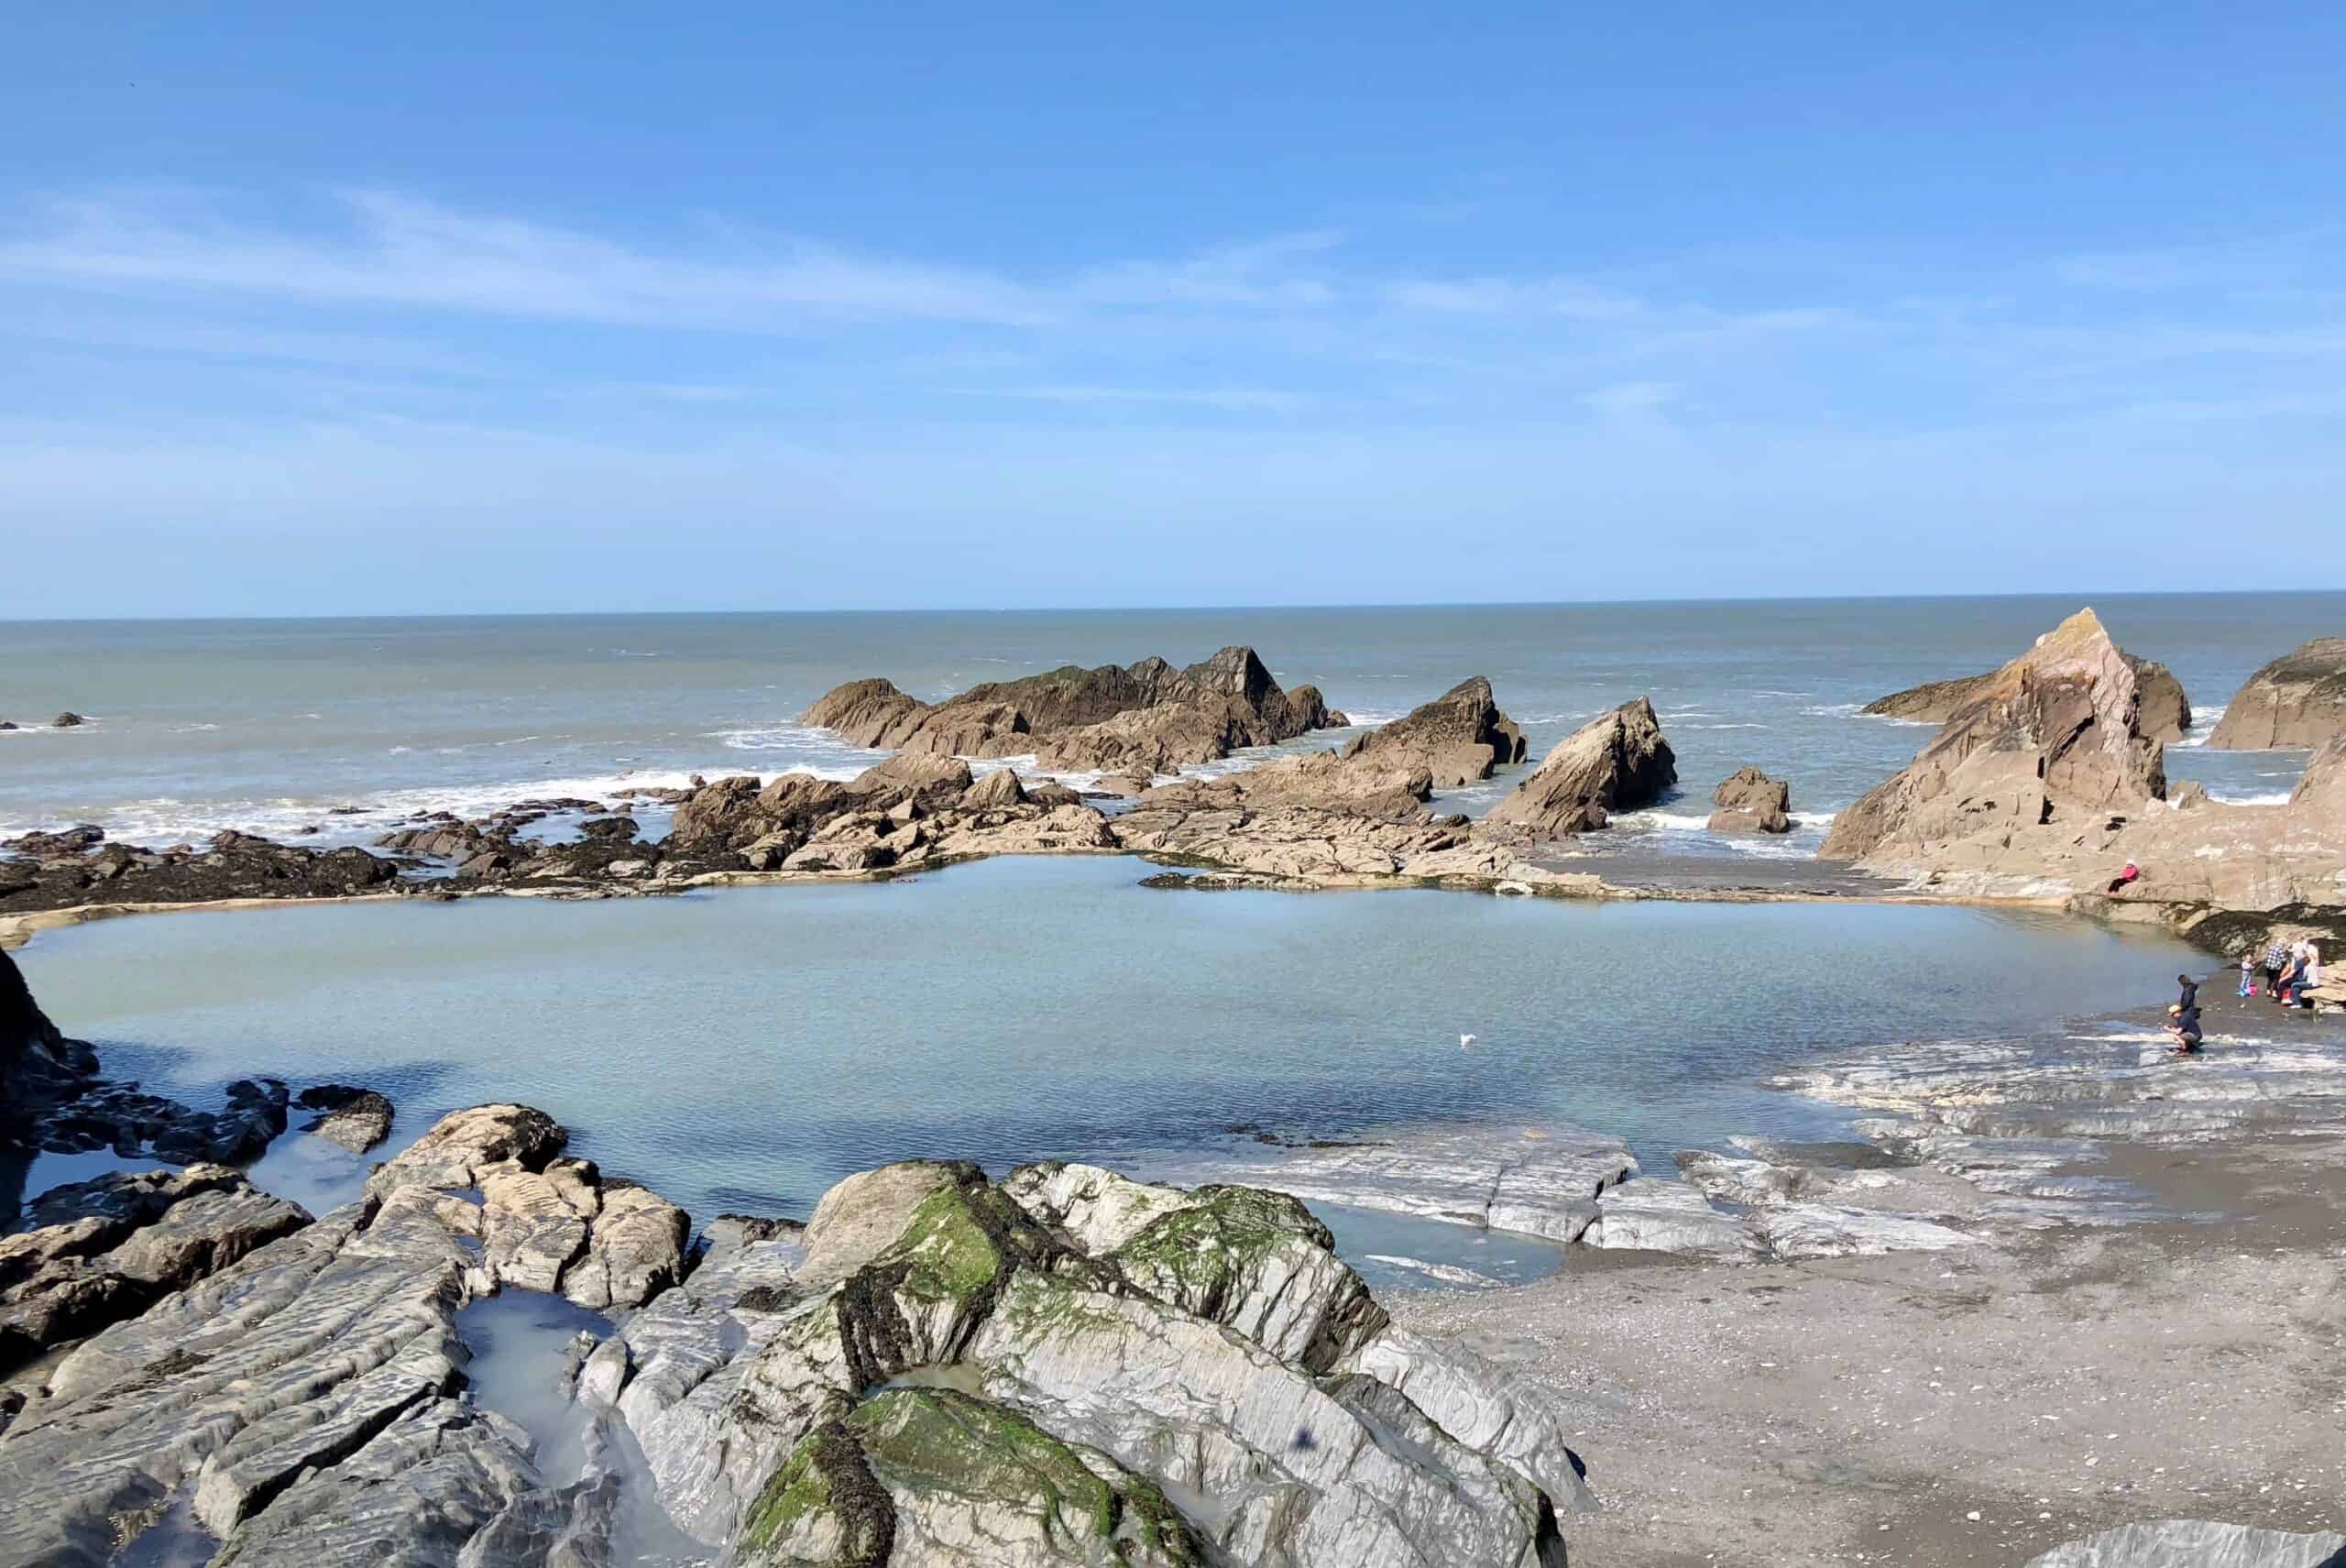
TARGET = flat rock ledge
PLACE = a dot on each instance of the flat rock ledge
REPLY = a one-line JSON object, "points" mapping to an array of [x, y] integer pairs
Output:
{"points": [[2197, 1543], [1062, 1367]]}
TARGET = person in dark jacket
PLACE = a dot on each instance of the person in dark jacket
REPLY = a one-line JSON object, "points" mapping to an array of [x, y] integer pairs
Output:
{"points": [[2183, 1025], [2189, 998]]}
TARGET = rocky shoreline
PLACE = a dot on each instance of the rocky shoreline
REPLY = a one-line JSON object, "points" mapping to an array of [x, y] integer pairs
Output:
{"points": [[2045, 781]]}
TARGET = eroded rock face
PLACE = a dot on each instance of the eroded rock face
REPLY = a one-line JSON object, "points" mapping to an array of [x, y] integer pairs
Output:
{"points": [[2298, 700], [1616, 762], [1149, 717], [2164, 711], [1059, 1370], [40, 1067], [1748, 801], [2053, 738]]}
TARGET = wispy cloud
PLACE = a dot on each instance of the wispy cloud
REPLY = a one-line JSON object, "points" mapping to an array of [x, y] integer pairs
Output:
{"points": [[392, 250]]}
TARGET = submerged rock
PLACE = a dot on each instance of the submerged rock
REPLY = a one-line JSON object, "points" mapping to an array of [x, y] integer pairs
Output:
{"points": [[1617, 762], [358, 1119], [2298, 700]]}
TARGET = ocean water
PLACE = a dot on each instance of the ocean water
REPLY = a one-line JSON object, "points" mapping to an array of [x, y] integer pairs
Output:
{"points": [[267, 725], [741, 1049]]}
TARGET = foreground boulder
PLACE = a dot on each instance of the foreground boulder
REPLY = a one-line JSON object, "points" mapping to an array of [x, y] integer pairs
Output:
{"points": [[1748, 801], [2054, 737], [1149, 716], [2298, 700], [1616, 762], [1062, 1369], [2164, 711]]}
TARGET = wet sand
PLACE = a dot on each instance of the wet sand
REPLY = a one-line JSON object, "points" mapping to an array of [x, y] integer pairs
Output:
{"points": [[1967, 1408]]}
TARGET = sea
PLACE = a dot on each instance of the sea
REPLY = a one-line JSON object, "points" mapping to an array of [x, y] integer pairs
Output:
{"points": [[741, 1050]]}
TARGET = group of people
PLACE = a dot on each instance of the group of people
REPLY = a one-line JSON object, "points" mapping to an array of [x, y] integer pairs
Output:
{"points": [[2289, 970]]}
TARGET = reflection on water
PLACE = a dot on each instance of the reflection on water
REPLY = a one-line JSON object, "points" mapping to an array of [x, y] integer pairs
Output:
{"points": [[742, 1050]]}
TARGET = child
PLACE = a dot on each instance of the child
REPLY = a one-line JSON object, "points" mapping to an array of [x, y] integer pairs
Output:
{"points": [[2248, 972]]}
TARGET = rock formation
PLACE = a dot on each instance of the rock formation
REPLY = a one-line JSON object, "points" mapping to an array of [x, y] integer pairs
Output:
{"points": [[1457, 739], [1616, 762], [306, 1397], [1067, 1367], [1148, 716], [1748, 801], [2164, 714], [98, 1252], [2298, 700], [1062, 1367], [2052, 740], [358, 1119], [39, 1065]]}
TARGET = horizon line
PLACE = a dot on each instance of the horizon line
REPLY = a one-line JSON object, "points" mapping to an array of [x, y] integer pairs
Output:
{"points": [[2084, 596]]}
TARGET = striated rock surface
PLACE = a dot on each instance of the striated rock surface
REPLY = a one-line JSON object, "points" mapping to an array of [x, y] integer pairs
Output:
{"points": [[98, 1252], [2197, 1543], [304, 1401], [1616, 762], [2164, 711], [2298, 700], [1748, 801], [1147, 717], [1072, 1367], [2053, 737]]}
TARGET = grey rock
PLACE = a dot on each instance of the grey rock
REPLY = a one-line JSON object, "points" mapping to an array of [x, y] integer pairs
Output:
{"points": [[358, 1119], [2197, 1543], [1656, 1214]]}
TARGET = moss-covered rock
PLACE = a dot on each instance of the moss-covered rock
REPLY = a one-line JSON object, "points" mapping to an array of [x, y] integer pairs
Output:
{"points": [[1260, 1263], [821, 1509]]}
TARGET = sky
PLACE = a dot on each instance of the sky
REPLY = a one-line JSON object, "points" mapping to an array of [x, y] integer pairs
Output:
{"points": [[326, 310]]}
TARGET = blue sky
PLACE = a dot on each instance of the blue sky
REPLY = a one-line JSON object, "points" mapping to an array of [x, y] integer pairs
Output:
{"points": [[318, 309]]}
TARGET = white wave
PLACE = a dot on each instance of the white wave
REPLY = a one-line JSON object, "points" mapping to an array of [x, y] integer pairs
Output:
{"points": [[1858, 710], [1369, 718], [1446, 1273], [191, 729], [1719, 725], [2203, 720], [1813, 818], [1668, 821], [2268, 797], [1764, 692]]}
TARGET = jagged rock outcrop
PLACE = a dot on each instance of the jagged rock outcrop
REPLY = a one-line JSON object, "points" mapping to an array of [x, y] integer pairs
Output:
{"points": [[1457, 739], [98, 1252], [1748, 801], [1149, 716], [2164, 711], [2298, 700], [2054, 739], [1058, 1370], [916, 809], [1616, 762]]}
